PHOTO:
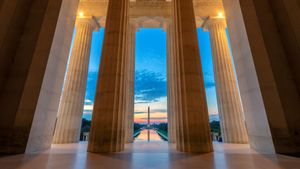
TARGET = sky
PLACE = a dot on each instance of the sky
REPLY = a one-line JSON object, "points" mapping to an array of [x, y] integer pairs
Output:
{"points": [[151, 74]]}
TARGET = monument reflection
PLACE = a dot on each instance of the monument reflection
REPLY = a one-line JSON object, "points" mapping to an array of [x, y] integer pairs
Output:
{"points": [[148, 135]]}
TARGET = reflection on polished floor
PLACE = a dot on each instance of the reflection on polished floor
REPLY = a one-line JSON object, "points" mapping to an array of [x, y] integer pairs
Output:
{"points": [[149, 155]]}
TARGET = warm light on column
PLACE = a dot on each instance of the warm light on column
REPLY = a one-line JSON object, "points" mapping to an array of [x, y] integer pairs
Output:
{"points": [[230, 109]]}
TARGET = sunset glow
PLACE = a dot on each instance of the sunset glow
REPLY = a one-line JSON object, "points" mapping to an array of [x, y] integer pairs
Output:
{"points": [[158, 113], [151, 74]]}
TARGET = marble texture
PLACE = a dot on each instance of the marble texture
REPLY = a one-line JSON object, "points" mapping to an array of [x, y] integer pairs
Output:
{"points": [[259, 133], [263, 44], [43, 124], [233, 128], [153, 155], [171, 76], [192, 123], [72, 101], [108, 121], [30, 91], [130, 70]]}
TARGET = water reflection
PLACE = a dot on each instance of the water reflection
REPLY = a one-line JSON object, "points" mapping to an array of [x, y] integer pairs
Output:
{"points": [[148, 135]]}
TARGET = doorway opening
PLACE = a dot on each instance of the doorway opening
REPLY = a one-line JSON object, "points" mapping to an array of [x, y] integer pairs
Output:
{"points": [[150, 107]]}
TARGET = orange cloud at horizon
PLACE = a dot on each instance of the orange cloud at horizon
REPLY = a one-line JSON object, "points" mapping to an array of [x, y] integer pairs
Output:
{"points": [[158, 111], [155, 117]]}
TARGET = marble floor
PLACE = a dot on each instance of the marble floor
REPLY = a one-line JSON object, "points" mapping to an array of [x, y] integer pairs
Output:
{"points": [[149, 155]]}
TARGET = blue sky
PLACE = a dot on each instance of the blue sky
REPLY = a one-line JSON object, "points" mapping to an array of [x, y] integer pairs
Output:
{"points": [[150, 73]]}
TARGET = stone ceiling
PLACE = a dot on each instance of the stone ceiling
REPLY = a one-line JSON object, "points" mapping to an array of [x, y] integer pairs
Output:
{"points": [[150, 13]]}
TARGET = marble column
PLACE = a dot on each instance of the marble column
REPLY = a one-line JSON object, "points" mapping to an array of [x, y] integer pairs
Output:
{"points": [[31, 62], [72, 101], [132, 28], [171, 82], [230, 109], [264, 40], [108, 127], [192, 117]]}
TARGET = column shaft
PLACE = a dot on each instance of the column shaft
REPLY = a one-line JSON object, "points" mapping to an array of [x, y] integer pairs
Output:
{"points": [[27, 49], [130, 83], [171, 84], [72, 101], [108, 126], [264, 36], [233, 127], [192, 117]]}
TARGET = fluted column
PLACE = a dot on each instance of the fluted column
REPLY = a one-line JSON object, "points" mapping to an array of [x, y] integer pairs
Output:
{"points": [[192, 117], [171, 73], [132, 28], [233, 127], [108, 127], [72, 100]]}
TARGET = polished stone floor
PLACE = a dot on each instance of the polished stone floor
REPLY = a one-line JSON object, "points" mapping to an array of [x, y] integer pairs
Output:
{"points": [[149, 155]]}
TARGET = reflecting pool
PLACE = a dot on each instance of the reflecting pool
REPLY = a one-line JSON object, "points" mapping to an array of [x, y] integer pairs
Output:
{"points": [[148, 135]]}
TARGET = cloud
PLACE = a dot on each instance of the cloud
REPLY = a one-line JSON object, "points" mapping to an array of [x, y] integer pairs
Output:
{"points": [[88, 107], [210, 84], [140, 112], [140, 102], [209, 80], [155, 118], [213, 110], [214, 117], [149, 86], [91, 85], [90, 93], [88, 102], [159, 110], [152, 111], [87, 112]]}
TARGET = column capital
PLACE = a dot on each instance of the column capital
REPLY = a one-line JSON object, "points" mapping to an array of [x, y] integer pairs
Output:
{"points": [[211, 21], [166, 24], [134, 25], [90, 20]]}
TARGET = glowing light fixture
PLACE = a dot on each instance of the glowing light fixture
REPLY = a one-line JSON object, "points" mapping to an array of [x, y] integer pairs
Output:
{"points": [[81, 14], [220, 14]]}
